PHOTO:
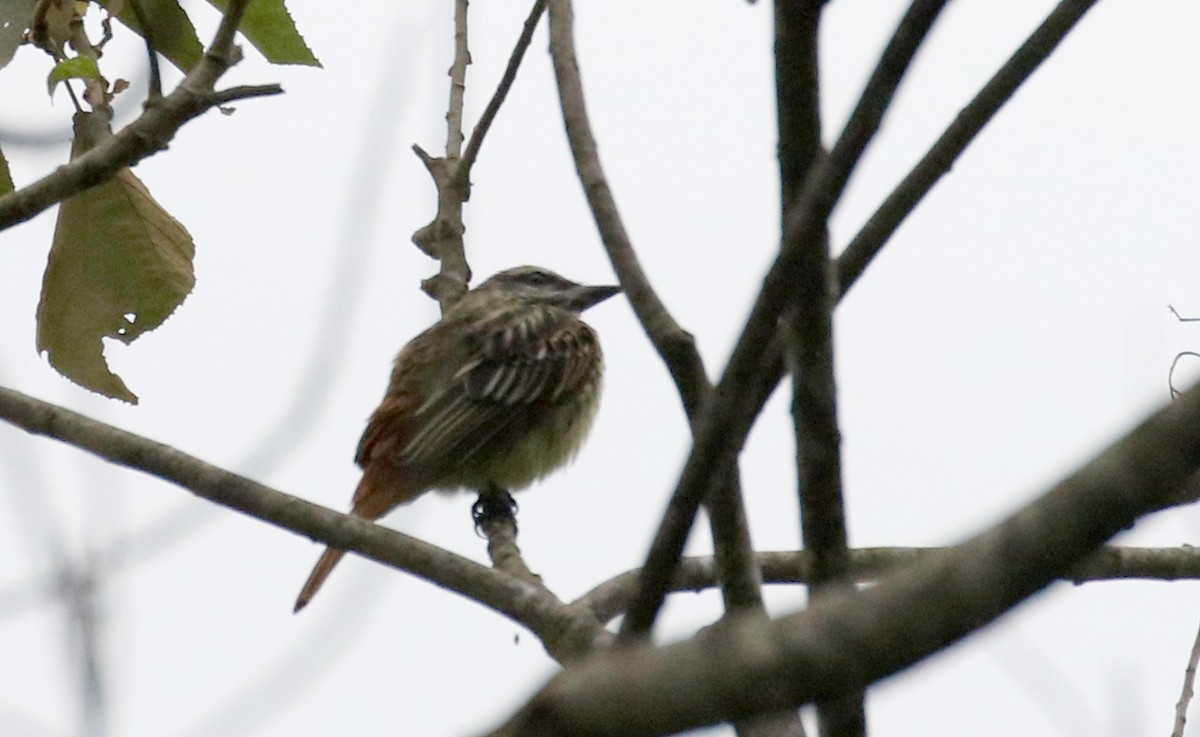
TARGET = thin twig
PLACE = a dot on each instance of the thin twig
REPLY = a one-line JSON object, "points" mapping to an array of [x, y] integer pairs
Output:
{"points": [[982, 108], [942, 155], [458, 82], [244, 92], [1171, 372], [442, 238], [155, 86], [1189, 681], [502, 89], [609, 599], [1180, 317], [222, 44], [564, 630], [726, 422]]}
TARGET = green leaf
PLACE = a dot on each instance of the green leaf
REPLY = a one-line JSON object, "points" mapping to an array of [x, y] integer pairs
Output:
{"points": [[15, 16], [6, 182], [270, 29], [77, 67], [171, 31], [118, 267]]}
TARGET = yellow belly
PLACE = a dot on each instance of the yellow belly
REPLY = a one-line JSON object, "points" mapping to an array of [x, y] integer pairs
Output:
{"points": [[550, 445]]}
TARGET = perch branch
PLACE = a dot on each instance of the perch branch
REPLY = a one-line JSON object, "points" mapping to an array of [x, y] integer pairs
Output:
{"points": [[566, 631]]}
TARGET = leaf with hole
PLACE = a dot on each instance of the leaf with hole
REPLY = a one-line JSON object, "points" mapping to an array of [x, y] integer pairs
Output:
{"points": [[119, 266]]}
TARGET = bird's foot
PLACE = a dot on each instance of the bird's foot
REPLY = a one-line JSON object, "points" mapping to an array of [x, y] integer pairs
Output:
{"points": [[493, 505]]}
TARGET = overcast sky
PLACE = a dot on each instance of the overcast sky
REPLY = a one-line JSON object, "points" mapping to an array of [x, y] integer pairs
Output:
{"points": [[1014, 325]]}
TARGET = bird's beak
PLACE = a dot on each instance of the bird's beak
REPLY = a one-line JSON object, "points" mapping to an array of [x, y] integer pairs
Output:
{"points": [[584, 297]]}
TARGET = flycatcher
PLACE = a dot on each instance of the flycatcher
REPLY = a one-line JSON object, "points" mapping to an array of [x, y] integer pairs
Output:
{"points": [[498, 393]]}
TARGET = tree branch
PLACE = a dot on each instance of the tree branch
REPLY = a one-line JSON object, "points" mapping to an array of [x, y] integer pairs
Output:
{"points": [[1188, 689], [904, 199], [848, 640], [566, 631], [676, 346], [442, 238], [150, 133], [798, 109], [942, 155], [731, 532], [608, 600], [244, 92], [727, 419], [506, 82]]}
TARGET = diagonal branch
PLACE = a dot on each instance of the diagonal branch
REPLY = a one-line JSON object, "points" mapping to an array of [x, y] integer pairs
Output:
{"points": [[506, 82], [904, 199], [150, 133], [848, 640], [726, 421], [566, 631], [970, 121], [740, 582], [676, 346]]}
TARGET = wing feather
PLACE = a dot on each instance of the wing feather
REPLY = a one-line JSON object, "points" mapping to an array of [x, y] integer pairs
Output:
{"points": [[520, 366]]}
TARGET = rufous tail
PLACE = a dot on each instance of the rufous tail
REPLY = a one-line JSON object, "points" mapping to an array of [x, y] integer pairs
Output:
{"points": [[319, 573], [382, 487]]}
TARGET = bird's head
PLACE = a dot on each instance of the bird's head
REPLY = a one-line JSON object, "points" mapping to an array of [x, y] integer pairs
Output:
{"points": [[542, 286]]}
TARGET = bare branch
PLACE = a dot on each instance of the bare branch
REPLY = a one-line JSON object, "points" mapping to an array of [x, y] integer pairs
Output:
{"points": [[1185, 695], [982, 108], [848, 640], [222, 44], [609, 599], [727, 420], [151, 132], [970, 121], [496, 519], [442, 238], [731, 533], [458, 82], [498, 97], [566, 631], [673, 343], [244, 92]]}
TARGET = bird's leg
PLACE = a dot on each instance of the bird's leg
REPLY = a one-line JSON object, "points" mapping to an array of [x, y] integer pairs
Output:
{"points": [[493, 505], [495, 519]]}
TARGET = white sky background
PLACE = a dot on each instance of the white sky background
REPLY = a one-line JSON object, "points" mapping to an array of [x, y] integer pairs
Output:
{"points": [[1014, 325]]}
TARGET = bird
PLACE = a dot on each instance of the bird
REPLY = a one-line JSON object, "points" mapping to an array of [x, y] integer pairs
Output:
{"points": [[498, 393]]}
